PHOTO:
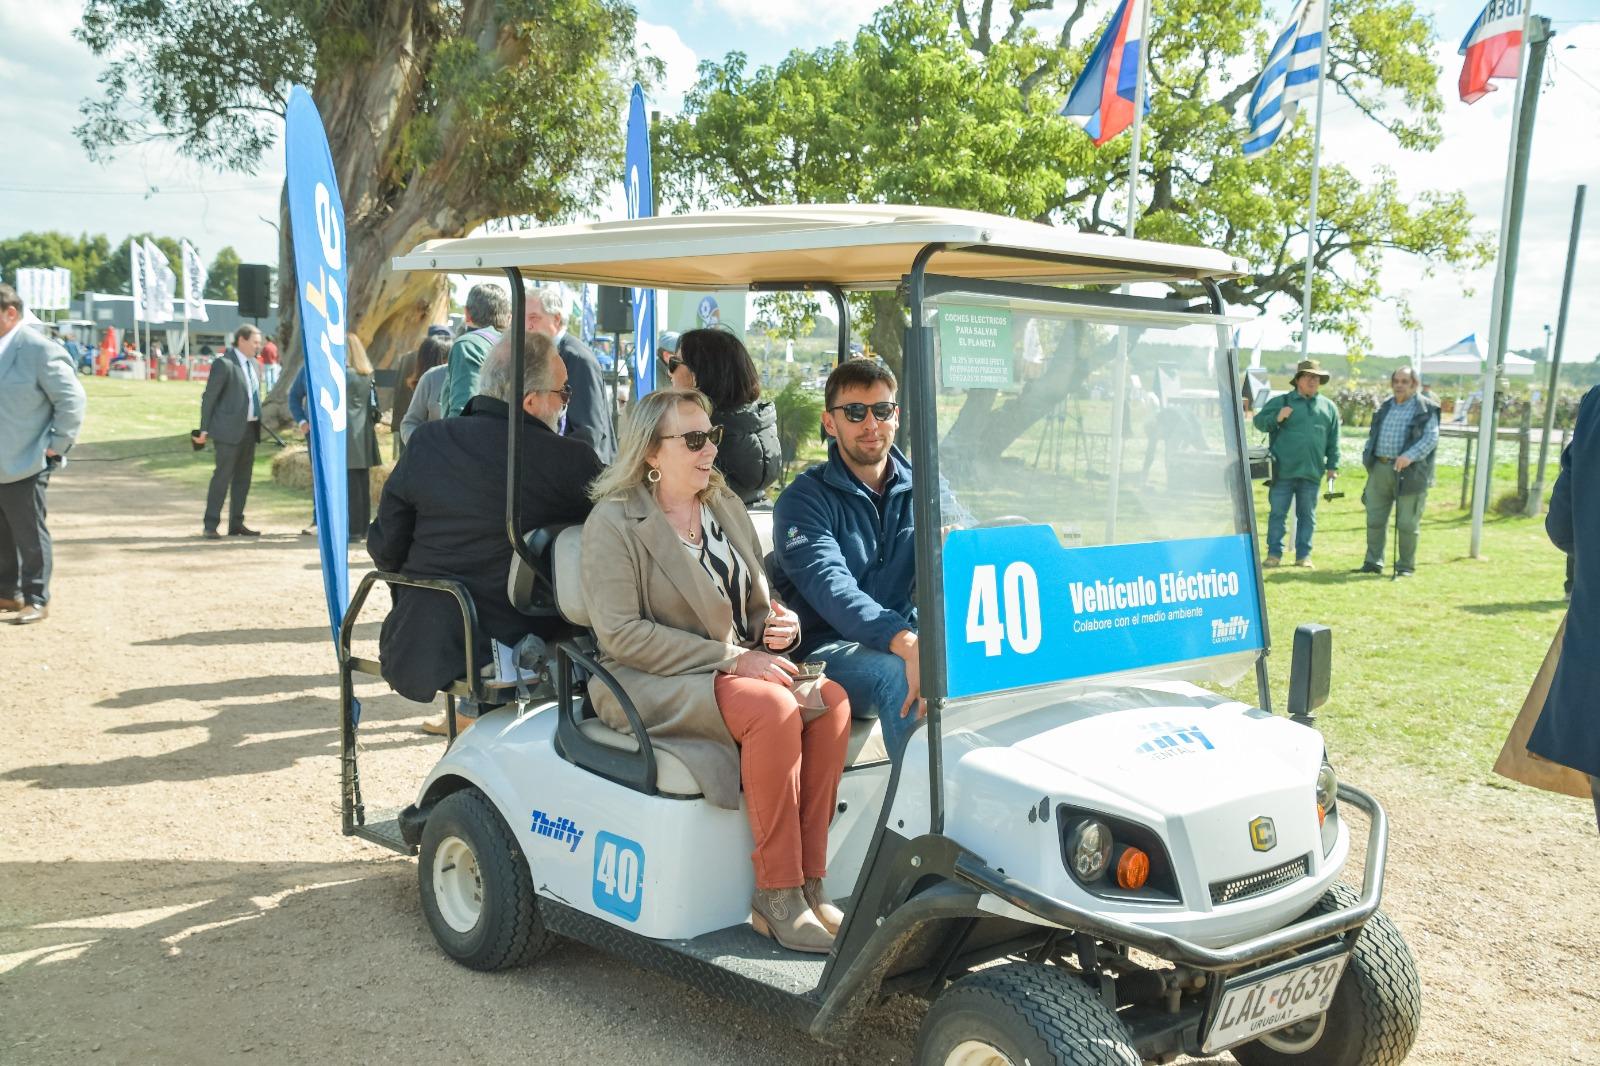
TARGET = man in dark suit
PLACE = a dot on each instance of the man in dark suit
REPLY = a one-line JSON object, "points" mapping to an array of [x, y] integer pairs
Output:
{"points": [[443, 515], [230, 416], [1568, 730], [41, 411], [589, 414]]}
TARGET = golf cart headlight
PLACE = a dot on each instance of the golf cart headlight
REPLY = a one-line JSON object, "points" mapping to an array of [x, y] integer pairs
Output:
{"points": [[1328, 807], [1327, 792], [1089, 849]]}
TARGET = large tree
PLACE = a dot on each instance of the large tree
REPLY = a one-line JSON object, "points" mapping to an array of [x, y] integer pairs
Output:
{"points": [[222, 277], [956, 104], [441, 115]]}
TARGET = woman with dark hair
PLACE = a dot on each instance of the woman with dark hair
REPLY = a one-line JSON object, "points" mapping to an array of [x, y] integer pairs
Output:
{"points": [[428, 388], [412, 366], [716, 362]]}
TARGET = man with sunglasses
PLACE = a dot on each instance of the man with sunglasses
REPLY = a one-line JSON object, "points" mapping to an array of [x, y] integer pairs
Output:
{"points": [[845, 557], [443, 515]]}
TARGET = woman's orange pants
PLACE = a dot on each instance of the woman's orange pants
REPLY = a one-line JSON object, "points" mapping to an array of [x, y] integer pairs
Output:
{"points": [[790, 769]]}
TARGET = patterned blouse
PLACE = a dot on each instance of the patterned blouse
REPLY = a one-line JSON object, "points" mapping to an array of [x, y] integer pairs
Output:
{"points": [[726, 570]]}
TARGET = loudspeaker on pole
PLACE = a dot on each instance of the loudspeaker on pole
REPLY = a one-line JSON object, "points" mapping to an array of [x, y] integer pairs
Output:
{"points": [[614, 313], [255, 290]]}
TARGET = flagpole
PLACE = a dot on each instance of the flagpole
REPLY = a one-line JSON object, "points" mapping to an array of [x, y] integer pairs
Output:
{"points": [[1316, 181], [1497, 308], [1120, 392]]}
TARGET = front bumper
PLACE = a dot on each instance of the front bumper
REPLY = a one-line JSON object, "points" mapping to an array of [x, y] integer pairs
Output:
{"points": [[1177, 949]]}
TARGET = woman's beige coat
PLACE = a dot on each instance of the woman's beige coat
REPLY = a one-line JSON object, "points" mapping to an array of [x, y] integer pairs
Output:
{"points": [[664, 629]]}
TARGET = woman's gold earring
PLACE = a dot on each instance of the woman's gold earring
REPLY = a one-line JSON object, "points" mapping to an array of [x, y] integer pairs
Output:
{"points": [[653, 476]]}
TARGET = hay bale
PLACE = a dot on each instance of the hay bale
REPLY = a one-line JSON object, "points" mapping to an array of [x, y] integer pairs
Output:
{"points": [[291, 468]]}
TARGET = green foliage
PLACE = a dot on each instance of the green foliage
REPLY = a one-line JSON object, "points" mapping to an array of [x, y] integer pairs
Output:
{"points": [[83, 255], [933, 102], [222, 276], [799, 412]]}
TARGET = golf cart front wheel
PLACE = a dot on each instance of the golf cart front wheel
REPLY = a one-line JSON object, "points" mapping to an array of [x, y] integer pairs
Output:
{"points": [[1023, 1014], [1375, 1012], [477, 891]]}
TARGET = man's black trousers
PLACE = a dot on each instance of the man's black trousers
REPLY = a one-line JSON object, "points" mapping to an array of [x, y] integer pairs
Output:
{"points": [[235, 464], [25, 556]]}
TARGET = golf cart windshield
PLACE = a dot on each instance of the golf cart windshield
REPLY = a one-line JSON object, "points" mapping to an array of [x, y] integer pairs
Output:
{"points": [[1092, 492]]}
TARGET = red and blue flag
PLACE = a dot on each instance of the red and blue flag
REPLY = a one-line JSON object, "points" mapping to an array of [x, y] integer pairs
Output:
{"points": [[1492, 47], [1102, 100]]}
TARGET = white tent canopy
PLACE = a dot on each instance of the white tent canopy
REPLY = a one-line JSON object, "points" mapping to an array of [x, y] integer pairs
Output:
{"points": [[1432, 365]]}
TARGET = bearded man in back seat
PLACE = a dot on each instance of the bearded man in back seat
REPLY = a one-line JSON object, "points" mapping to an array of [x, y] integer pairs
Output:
{"points": [[443, 515]]}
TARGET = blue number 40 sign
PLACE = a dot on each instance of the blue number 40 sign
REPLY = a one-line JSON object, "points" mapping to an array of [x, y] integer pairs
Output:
{"points": [[618, 875]]}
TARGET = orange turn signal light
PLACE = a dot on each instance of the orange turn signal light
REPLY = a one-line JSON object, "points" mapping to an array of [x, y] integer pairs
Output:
{"points": [[1322, 814], [1133, 869]]}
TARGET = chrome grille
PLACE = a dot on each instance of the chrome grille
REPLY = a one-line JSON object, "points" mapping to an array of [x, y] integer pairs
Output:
{"points": [[1258, 883]]}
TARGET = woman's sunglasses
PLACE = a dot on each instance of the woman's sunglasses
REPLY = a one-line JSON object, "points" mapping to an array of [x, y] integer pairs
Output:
{"points": [[673, 364], [857, 412], [696, 439]]}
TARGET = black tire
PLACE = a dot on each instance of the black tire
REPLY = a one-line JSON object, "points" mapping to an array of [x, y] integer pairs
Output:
{"points": [[1376, 1009], [1039, 1015], [505, 930]]}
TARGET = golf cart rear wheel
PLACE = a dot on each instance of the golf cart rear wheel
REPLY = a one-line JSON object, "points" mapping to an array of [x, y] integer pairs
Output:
{"points": [[1376, 1008], [477, 892], [1023, 1013]]}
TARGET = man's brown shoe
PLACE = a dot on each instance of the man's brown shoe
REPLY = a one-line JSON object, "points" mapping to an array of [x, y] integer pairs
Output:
{"points": [[33, 612], [1271, 561], [8, 604]]}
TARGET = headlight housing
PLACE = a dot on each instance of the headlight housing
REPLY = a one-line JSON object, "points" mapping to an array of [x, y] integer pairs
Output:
{"points": [[1328, 805], [1089, 849]]}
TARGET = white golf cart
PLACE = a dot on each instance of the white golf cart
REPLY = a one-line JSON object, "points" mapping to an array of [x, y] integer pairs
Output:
{"points": [[1086, 854]]}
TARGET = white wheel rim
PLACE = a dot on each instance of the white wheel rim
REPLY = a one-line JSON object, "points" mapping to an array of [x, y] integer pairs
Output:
{"points": [[1298, 1038], [976, 1053], [457, 886]]}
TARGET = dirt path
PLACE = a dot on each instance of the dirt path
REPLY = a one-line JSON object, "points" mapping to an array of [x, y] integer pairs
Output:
{"points": [[173, 886]]}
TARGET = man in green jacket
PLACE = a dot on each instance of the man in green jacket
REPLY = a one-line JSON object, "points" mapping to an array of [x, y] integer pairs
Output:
{"points": [[1304, 430], [487, 314]]}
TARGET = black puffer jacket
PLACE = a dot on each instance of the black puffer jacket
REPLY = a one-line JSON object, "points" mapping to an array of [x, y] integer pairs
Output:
{"points": [[749, 456]]}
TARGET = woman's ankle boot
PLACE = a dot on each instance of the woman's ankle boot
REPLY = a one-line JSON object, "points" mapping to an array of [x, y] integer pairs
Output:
{"points": [[830, 916], [785, 916]]}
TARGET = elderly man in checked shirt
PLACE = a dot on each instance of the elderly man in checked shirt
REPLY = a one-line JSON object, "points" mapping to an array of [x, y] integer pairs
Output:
{"points": [[1399, 461]]}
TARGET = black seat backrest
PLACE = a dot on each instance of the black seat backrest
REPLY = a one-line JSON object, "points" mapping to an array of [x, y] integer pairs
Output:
{"points": [[531, 589]]}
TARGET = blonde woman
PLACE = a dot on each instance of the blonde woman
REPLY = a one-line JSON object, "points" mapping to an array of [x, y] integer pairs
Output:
{"points": [[679, 602], [361, 434]]}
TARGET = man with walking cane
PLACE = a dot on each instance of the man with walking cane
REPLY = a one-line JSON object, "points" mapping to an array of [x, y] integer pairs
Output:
{"points": [[1399, 460]]}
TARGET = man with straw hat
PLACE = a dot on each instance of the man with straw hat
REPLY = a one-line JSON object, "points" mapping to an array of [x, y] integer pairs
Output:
{"points": [[1303, 428]]}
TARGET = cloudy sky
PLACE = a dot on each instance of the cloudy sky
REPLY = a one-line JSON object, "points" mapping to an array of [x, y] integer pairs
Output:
{"points": [[47, 182]]}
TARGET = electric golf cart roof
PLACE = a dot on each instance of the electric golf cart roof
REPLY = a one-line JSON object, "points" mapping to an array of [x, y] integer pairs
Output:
{"points": [[851, 246]]}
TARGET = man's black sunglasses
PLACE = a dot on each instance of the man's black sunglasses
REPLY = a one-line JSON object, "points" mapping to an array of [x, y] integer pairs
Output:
{"points": [[696, 439], [883, 410], [565, 392]]}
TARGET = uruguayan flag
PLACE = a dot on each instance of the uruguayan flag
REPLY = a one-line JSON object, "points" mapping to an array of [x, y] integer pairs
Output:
{"points": [[1289, 77]]}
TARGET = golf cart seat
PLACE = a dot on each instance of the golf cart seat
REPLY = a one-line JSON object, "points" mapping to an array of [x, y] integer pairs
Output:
{"points": [[628, 757]]}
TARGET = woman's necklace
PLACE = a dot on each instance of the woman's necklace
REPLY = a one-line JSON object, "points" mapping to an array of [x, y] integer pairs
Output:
{"points": [[690, 527]]}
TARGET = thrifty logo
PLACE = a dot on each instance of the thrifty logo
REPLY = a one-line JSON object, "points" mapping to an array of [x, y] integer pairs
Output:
{"points": [[564, 830], [1227, 630]]}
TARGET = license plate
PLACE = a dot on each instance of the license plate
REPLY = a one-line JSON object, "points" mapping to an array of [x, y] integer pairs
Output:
{"points": [[1261, 1002]]}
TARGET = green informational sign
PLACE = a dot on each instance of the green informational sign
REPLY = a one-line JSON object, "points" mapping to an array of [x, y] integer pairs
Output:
{"points": [[975, 347]]}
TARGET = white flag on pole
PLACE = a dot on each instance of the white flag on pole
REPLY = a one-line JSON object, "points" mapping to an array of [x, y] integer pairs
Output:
{"points": [[136, 269], [194, 284], [160, 283], [63, 288]]}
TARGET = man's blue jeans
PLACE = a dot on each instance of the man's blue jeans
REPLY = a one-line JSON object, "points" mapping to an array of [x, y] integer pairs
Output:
{"points": [[875, 681], [1302, 492]]}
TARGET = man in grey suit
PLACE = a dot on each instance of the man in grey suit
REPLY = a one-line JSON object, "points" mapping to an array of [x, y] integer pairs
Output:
{"points": [[230, 416], [589, 412], [41, 410]]}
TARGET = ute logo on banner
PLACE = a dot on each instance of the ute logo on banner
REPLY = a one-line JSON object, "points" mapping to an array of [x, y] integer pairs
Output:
{"points": [[316, 219], [1022, 610]]}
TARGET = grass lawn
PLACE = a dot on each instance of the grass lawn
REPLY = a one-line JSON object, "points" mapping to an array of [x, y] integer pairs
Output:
{"points": [[147, 423], [1428, 671]]}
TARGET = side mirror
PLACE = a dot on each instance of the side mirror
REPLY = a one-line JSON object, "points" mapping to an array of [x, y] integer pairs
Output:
{"points": [[1309, 671]]}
